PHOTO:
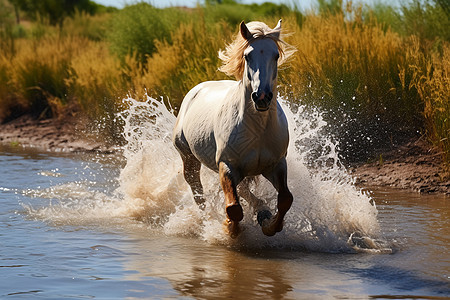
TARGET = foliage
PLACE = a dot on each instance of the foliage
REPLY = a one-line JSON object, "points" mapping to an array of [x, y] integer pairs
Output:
{"points": [[7, 37], [178, 66], [90, 79], [135, 29], [330, 6], [55, 10], [351, 71], [230, 13], [93, 27], [37, 73], [427, 19]]}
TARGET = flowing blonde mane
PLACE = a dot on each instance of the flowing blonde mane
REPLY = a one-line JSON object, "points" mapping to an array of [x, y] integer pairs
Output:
{"points": [[233, 61]]}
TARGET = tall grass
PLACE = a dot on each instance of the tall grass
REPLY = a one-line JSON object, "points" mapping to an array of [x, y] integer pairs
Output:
{"points": [[37, 72], [178, 66], [433, 85], [427, 19], [82, 24], [359, 75], [136, 28], [91, 79]]}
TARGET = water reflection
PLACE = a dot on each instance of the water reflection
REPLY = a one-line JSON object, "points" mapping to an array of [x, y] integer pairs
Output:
{"points": [[233, 275], [207, 271]]}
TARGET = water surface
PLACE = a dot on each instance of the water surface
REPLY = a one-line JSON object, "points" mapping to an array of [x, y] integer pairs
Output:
{"points": [[56, 242]]}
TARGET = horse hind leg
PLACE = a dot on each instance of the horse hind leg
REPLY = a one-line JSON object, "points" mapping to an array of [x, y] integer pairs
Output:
{"points": [[191, 167], [191, 172], [273, 224]]}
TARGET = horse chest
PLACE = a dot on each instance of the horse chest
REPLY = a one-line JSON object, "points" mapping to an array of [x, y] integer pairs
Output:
{"points": [[253, 149]]}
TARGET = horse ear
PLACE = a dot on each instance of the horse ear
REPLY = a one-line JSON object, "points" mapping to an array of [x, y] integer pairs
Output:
{"points": [[245, 32], [277, 29]]}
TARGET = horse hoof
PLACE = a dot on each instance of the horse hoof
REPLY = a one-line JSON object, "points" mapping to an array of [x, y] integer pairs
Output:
{"points": [[268, 231], [270, 224], [263, 215], [201, 203], [235, 212]]}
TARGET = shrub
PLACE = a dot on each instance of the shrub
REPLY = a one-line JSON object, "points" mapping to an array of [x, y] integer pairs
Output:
{"points": [[93, 27], [38, 73], [135, 29]]}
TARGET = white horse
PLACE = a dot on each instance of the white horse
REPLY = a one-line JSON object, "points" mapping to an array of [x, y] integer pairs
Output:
{"points": [[237, 128]]}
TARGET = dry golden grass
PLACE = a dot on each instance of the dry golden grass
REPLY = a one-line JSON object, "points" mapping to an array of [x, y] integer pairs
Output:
{"points": [[433, 86], [97, 80], [351, 66], [37, 71]]}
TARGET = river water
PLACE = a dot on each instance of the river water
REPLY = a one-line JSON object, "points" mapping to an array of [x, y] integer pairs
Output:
{"points": [[125, 227]]}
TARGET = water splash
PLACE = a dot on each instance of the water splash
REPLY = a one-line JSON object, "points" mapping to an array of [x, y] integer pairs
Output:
{"points": [[328, 214]]}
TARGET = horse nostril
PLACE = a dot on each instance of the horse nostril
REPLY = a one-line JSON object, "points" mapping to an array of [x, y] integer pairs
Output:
{"points": [[255, 96], [270, 96]]}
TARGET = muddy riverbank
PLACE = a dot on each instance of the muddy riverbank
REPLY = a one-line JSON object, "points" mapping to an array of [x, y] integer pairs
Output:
{"points": [[415, 166], [68, 134]]}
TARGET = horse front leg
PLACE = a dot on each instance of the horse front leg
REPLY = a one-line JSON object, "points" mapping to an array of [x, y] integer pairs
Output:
{"points": [[278, 177], [233, 208]]}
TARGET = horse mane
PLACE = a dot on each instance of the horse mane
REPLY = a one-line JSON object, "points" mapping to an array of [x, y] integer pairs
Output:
{"points": [[233, 61]]}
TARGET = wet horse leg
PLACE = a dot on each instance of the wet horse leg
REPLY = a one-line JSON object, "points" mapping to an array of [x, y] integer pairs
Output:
{"points": [[278, 177], [232, 206], [191, 171], [191, 167]]}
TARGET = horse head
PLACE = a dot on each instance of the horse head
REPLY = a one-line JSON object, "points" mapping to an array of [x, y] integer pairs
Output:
{"points": [[261, 61]]}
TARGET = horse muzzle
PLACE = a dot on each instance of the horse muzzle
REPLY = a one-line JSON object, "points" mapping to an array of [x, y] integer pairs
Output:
{"points": [[262, 100]]}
